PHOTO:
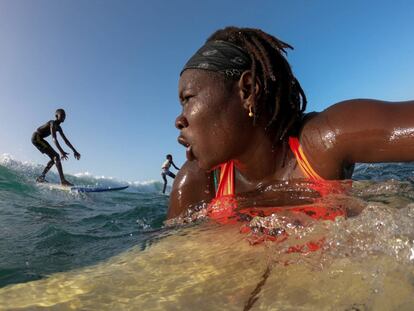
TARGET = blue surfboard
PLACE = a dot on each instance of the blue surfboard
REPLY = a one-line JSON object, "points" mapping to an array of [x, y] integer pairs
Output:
{"points": [[83, 189], [96, 189]]}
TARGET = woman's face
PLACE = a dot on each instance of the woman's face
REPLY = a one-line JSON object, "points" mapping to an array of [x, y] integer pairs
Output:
{"points": [[214, 125]]}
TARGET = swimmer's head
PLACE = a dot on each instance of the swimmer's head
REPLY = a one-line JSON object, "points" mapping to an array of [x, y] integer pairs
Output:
{"points": [[60, 115], [235, 53]]}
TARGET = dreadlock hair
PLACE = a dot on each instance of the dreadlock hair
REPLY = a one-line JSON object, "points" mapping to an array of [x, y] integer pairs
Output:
{"points": [[282, 100]]}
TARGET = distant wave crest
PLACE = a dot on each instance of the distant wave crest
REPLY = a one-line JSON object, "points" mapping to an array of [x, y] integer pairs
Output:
{"points": [[30, 171]]}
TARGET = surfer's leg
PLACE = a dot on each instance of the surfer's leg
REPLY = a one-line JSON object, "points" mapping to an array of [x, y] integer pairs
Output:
{"points": [[49, 165], [44, 147], [165, 182], [55, 159], [172, 175], [63, 180]]}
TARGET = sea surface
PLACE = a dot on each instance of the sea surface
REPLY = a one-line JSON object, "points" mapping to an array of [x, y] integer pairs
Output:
{"points": [[43, 231], [63, 251]]}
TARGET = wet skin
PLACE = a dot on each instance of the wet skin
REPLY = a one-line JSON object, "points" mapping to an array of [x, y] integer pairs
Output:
{"points": [[215, 128], [50, 128]]}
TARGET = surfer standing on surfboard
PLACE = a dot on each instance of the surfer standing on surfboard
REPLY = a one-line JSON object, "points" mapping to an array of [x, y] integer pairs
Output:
{"points": [[38, 140], [165, 170]]}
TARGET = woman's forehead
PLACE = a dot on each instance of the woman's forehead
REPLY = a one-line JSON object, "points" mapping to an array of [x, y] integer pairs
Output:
{"points": [[191, 74], [193, 78]]}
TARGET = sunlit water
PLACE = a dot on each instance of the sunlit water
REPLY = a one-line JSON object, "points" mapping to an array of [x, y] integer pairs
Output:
{"points": [[111, 252]]}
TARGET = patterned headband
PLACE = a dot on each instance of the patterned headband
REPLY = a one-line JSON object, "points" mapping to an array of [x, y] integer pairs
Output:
{"points": [[220, 56]]}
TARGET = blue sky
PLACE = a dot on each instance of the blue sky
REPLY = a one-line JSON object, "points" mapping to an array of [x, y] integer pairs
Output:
{"points": [[114, 66]]}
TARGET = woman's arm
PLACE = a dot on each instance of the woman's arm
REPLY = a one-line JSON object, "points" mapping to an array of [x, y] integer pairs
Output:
{"points": [[360, 130], [191, 186]]}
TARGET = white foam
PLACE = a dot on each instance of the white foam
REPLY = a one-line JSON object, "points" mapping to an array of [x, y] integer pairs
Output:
{"points": [[31, 170]]}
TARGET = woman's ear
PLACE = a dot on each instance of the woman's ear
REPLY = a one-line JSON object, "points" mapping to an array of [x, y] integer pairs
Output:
{"points": [[248, 94]]}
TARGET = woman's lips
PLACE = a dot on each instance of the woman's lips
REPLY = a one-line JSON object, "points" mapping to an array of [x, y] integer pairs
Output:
{"points": [[189, 149]]}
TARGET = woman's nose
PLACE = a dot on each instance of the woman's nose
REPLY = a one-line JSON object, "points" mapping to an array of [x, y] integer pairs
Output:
{"points": [[181, 122]]}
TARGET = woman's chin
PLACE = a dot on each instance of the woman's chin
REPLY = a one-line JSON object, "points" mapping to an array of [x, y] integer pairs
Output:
{"points": [[189, 153]]}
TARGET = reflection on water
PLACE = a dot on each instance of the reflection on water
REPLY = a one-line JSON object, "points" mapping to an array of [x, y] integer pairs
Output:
{"points": [[364, 263]]}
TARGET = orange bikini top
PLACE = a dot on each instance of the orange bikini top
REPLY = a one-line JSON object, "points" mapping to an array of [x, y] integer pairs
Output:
{"points": [[226, 180], [303, 162], [223, 206]]}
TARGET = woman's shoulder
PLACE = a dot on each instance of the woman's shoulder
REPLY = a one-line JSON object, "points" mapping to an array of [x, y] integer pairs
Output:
{"points": [[191, 186], [324, 135], [346, 116]]}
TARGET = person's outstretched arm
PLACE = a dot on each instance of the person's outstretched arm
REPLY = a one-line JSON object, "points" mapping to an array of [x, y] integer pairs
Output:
{"points": [[173, 164], [67, 142], [63, 154], [359, 131]]}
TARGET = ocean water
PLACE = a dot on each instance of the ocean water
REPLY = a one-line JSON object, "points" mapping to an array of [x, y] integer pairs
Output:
{"points": [[43, 231], [66, 251]]}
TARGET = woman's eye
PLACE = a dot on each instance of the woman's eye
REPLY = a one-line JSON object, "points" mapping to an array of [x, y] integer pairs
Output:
{"points": [[187, 98]]}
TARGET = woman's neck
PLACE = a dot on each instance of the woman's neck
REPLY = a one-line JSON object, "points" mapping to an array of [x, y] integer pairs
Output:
{"points": [[262, 162]]}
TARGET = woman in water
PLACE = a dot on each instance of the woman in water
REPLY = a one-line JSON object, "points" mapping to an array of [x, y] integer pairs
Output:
{"points": [[243, 113]]}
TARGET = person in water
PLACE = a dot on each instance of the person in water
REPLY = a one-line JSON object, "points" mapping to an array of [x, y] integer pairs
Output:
{"points": [[243, 112], [165, 170], [38, 139]]}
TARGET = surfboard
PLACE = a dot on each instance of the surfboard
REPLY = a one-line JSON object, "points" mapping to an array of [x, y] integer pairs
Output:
{"points": [[96, 189], [83, 189]]}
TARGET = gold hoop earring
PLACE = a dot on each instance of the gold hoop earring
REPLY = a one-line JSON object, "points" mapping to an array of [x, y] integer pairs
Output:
{"points": [[250, 111]]}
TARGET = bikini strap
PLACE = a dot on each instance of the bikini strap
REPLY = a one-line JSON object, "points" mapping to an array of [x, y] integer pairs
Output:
{"points": [[226, 180], [303, 162]]}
